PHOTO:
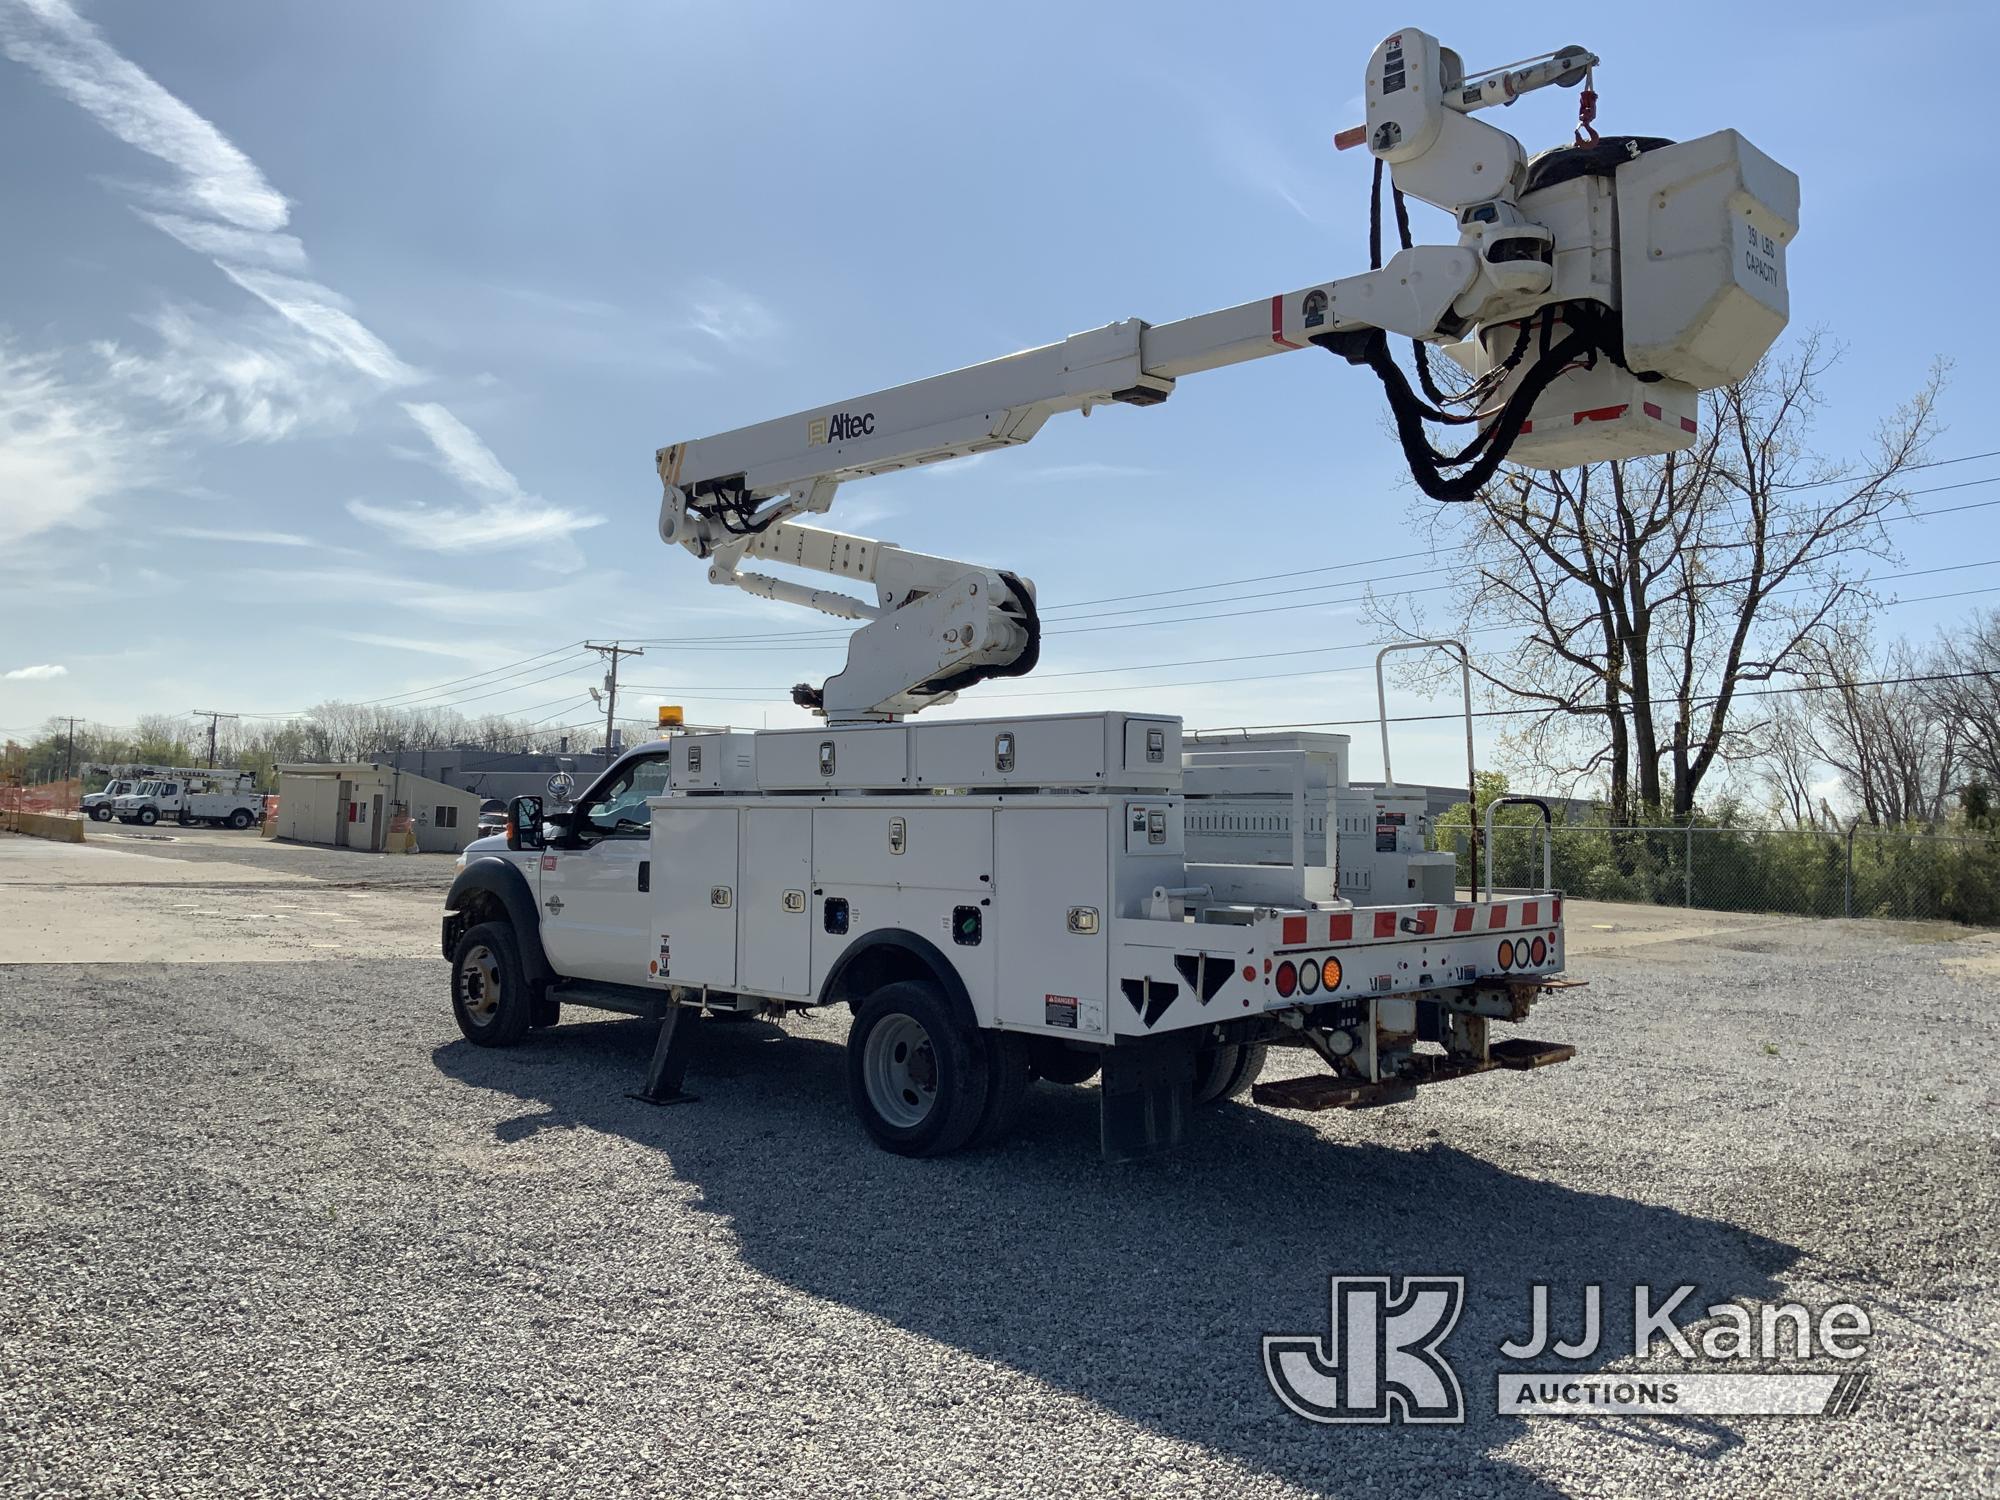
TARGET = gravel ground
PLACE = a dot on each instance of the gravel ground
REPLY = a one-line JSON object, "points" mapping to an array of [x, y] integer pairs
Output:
{"points": [[275, 1230]]}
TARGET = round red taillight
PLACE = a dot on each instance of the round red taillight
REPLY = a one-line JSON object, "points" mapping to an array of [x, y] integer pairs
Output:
{"points": [[1540, 951], [1288, 978]]}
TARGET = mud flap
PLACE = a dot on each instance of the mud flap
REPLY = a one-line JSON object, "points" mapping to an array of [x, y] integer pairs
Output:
{"points": [[1145, 1095]]}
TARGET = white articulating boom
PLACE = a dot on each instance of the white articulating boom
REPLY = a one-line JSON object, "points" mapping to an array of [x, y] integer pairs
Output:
{"points": [[1593, 291]]}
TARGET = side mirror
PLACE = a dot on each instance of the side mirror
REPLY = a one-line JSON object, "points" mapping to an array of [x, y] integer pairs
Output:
{"points": [[524, 823]]}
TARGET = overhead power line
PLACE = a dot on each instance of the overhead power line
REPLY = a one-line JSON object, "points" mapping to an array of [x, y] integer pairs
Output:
{"points": [[1511, 713], [831, 638]]}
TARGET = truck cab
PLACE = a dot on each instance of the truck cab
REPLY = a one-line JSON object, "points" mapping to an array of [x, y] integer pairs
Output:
{"points": [[148, 802], [589, 880], [98, 805]]}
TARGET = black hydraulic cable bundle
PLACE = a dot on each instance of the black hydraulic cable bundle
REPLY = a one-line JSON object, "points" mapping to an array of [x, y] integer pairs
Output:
{"points": [[1593, 330]]}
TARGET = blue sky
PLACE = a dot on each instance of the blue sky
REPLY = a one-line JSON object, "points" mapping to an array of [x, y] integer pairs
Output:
{"points": [[336, 341]]}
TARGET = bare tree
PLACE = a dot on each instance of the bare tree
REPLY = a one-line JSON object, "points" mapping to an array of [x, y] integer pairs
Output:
{"points": [[1645, 596], [1876, 722], [1789, 767], [1967, 695]]}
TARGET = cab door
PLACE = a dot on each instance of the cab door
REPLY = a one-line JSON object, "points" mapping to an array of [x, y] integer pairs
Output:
{"points": [[595, 888]]}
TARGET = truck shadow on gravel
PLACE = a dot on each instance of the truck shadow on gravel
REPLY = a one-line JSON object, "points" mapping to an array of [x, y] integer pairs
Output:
{"points": [[1146, 1289]]}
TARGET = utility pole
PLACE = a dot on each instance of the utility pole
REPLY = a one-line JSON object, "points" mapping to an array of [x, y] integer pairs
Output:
{"points": [[611, 652], [69, 749], [211, 715]]}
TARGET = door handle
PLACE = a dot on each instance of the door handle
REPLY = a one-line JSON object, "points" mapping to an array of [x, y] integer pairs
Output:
{"points": [[645, 874]]}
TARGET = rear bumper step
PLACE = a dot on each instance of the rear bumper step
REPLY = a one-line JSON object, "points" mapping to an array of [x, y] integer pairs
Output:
{"points": [[1317, 1091]]}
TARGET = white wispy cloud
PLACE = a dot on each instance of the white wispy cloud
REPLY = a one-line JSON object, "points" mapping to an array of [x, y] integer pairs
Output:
{"points": [[507, 516], [458, 651], [75, 60], [1060, 472], [459, 448], [42, 673], [63, 448], [228, 241], [247, 538], [730, 316], [225, 208], [256, 379], [322, 316]]}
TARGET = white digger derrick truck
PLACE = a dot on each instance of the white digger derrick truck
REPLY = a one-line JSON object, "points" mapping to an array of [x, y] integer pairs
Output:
{"points": [[1065, 896]]}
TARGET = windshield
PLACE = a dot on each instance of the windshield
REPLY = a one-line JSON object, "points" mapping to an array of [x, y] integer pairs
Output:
{"points": [[147, 788], [619, 808]]}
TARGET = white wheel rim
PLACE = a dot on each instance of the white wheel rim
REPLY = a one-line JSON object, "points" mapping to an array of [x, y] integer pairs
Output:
{"points": [[899, 1068], [479, 985]]}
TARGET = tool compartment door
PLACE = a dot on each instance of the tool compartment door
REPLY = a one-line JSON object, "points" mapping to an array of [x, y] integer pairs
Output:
{"points": [[694, 871], [1048, 862], [773, 925]]}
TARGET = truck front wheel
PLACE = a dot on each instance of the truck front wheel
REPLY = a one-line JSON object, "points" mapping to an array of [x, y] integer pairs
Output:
{"points": [[101, 813], [148, 816], [916, 1071], [489, 991]]}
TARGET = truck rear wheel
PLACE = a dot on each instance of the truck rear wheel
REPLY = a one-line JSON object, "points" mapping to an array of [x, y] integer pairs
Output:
{"points": [[1050, 1059], [1226, 1072], [1006, 1087], [489, 990], [916, 1071], [240, 818]]}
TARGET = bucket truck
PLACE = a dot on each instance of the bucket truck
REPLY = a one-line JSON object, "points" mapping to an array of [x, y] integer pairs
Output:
{"points": [[1072, 896]]}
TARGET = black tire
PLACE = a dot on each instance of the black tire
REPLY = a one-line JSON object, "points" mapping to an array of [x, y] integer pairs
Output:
{"points": [[148, 816], [1049, 1059], [101, 813], [916, 1070], [1226, 1072], [489, 988], [1006, 1087], [240, 818]]}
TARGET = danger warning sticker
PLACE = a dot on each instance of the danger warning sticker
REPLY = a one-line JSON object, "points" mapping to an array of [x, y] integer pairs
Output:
{"points": [[1059, 1010]]}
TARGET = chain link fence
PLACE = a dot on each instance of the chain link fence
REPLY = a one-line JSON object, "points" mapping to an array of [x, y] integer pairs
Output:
{"points": [[1803, 872]]}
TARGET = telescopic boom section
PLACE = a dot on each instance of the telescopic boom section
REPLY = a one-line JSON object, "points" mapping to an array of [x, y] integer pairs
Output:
{"points": [[1592, 293]]}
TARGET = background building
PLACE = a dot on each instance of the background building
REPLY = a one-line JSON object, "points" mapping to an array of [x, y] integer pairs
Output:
{"points": [[500, 774], [356, 806]]}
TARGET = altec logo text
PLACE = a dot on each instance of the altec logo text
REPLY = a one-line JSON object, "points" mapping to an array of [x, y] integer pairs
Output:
{"points": [[841, 427]]}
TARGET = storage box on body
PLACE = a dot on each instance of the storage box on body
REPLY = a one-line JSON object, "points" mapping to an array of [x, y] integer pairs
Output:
{"points": [[1112, 750], [874, 756], [712, 763]]}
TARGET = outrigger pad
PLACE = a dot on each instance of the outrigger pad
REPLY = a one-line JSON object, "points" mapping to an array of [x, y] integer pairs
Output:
{"points": [[670, 1059], [1145, 1094]]}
